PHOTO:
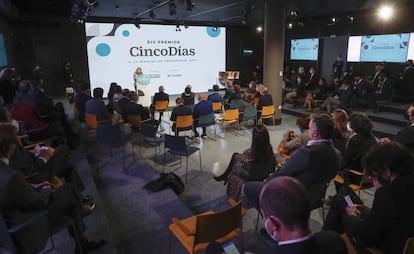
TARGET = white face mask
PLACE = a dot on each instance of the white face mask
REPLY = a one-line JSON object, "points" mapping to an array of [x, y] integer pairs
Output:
{"points": [[272, 235]]}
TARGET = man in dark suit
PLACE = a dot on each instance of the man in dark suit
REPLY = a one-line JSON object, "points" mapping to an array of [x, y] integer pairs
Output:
{"points": [[313, 79], [82, 96], [316, 163], [287, 220], [383, 90], [160, 96], [97, 107], [20, 200], [203, 107], [180, 110], [215, 97]]}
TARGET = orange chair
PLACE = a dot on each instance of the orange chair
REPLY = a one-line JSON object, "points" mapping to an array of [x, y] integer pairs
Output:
{"points": [[196, 232], [230, 116], [75, 113], [217, 107], [268, 112], [91, 121], [365, 182], [184, 123], [161, 106]]}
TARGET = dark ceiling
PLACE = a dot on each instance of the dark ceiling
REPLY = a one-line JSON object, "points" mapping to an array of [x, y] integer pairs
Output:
{"points": [[220, 12]]}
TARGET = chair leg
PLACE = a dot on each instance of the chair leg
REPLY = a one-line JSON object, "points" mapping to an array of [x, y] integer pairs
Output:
{"points": [[163, 163], [199, 154], [186, 169]]}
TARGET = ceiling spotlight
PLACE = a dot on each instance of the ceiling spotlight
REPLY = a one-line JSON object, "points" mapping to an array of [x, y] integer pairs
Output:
{"points": [[293, 13], [385, 12], [152, 14], [190, 5], [173, 7], [290, 25], [351, 19], [259, 28], [333, 20]]}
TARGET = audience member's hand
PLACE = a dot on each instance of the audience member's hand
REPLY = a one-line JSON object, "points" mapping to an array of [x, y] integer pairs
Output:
{"points": [[336, 97], [45, 153], [43, 186], [353, 210]]}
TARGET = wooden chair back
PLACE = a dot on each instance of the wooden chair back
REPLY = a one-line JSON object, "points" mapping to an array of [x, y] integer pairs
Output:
{"points": [[184, 123], [231, 115], [161, 105], [91, 121], [217, 107]]}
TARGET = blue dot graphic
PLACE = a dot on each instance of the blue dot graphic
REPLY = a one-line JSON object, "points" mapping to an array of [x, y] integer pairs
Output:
{"points": [[125, 33], [213, 31], [103, 49]]}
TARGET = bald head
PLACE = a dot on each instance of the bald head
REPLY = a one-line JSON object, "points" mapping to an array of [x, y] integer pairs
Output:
{"points": [[285, 198], [202, 97]]}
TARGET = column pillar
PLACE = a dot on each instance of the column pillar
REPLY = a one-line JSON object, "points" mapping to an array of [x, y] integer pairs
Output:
{"points": [[273, 57]]}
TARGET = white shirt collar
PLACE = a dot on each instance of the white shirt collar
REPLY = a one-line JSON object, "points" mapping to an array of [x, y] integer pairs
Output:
{"points": [[315, 142], [298, 240], [5, 160]]}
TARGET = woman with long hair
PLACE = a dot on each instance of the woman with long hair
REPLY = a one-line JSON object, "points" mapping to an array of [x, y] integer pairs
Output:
{"points": [[341, 132], [256, 162]]}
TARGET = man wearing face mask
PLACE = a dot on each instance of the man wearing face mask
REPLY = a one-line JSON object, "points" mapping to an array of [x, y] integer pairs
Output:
{"points": [[390, 221], [286, 210]]}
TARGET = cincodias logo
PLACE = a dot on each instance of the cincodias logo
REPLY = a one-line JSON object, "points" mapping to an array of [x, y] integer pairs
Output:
{"points": [[170, 51]]}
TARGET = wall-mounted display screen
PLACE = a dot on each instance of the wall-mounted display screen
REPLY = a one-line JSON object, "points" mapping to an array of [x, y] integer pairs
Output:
{"points": [[3, 54], [165, 57], [304, 49], [378, 48]]}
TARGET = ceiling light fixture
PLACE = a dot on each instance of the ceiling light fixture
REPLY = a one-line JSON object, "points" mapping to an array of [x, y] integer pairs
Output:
{"points": [[190, 5], [290, 25], [385, 12], [173, 7], [259, 29]]}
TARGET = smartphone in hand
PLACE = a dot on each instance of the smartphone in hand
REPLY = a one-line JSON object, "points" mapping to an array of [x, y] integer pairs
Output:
{"points": [[348, 201], [230, 248]]}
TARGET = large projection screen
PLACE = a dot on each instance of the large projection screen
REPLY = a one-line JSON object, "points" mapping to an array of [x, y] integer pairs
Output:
{"points": [[378, 48], [167, 57], [304, 49]]}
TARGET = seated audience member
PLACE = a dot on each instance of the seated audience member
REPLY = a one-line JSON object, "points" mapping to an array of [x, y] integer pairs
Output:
{"points": [[298, 86], [28, 113], [255, 163], [203, 107], [265, 99], [188, 96], [406, 79], [235, 96], [342, 99], [111, 92], [82, 96], [132, 107], [252, 87], [229, 90], [406, 135], [381, 91], [318, 94], [390, 221], [97, 107], [291, 141], [316, 163], [341, 133], [179, 110], [215, 97], [160, 96], [21, 199], [286, 212], [25, 91], [359, 143], [246, 101]]}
